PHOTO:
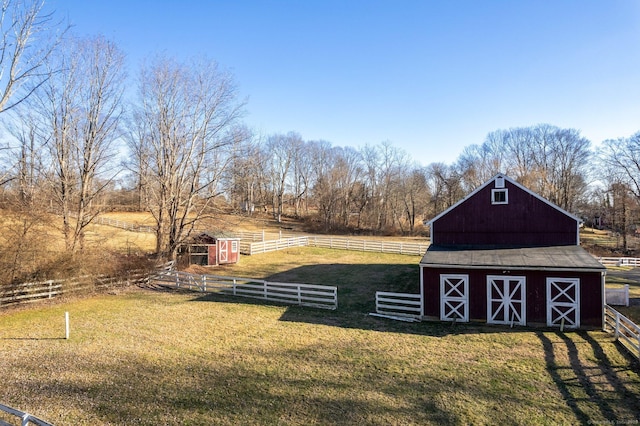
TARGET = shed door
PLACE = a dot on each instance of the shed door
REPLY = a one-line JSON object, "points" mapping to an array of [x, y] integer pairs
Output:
{"points": [[454, 297], [506, 301], [224, 251], [563, 302]]}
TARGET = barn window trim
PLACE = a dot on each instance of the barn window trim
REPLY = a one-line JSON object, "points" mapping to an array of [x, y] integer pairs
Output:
{"points": [[500, 196]]}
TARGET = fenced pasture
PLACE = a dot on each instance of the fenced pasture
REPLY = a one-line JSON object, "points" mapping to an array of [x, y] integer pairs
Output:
{"points": [[317, 296], [153, 357]]}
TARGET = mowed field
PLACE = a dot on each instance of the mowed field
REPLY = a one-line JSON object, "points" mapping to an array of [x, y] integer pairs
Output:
{"points": [[150, 356]]}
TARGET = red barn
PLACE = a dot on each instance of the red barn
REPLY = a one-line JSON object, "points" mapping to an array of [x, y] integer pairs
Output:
{"points": [[505, 255], [208, 250]]}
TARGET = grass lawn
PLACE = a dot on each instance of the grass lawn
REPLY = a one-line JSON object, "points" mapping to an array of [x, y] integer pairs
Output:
{"points": [[164, 357]]}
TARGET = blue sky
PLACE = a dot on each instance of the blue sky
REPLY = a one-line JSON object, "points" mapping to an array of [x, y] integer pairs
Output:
{"points": [[431, 77]]}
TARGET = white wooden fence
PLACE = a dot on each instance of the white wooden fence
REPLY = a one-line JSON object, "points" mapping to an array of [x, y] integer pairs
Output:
{"points": [[318, 296], [123, 225], [624, 330], [619, 261], [25, 418], [272, 245], [407, 248], [35, 291], [617, 296], [397, 247], [398, 305]]}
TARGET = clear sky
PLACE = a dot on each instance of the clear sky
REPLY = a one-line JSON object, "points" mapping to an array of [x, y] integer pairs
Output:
{"points": [[431, 77]]}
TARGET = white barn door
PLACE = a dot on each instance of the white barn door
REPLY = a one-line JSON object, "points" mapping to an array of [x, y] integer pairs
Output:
{"points": [[223, 251], [506, 300], [563, 302], [454, 297]]}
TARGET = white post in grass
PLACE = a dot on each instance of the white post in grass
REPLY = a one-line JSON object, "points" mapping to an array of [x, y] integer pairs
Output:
{"points": [[66, 324]]}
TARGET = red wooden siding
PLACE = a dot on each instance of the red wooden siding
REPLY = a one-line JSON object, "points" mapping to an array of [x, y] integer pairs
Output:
{"points": [[224, 251], [213, 255], [536, 293], [524, 221]]}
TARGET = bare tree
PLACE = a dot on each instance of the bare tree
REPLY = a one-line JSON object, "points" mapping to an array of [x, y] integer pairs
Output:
{"points": [[29, 35], [282, 150], [547, 159], [81, 108], [190, 112], [415, 195], [621, 158]]}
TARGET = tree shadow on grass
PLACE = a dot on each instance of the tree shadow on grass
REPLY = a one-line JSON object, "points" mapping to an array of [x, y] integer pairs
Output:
{"points": [[593, 386]]}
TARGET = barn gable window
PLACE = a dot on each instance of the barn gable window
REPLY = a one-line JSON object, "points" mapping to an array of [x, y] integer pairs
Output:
{"points": [[499, 196]]}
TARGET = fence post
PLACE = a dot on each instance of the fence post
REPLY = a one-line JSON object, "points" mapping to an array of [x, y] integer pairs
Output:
{"points": [[50, 289], [626, 294], [264, 291], [204, 283], [617, 330], [66, 325]]}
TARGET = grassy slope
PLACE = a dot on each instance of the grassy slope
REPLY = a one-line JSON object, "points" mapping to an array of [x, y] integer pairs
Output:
{"points": [[181, 358]]}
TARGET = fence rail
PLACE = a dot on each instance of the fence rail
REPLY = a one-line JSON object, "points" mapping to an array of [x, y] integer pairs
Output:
{"points": [[318, 296], [123, 225], [25, 418], [619, 261], [272, 245], [401, 305], [414, 249], [624, 330], [617, 296], [35, 291]]}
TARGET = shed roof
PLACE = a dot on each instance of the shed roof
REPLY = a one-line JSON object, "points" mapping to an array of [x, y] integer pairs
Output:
{"points": [[209, 237], [558, 258]]}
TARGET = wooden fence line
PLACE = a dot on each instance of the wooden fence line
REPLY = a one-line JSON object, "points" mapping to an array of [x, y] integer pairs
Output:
{"points": [[394, 247], [250, 248], [624, 330], [414, 249], [619, 261], [35, 291], [317, 296], [123, 225], [25, 418], [399, 305]]}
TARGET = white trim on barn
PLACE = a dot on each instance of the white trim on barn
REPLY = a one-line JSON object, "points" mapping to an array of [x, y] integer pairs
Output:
{"points": [[506, 300], [454, 297], [563, 302]]}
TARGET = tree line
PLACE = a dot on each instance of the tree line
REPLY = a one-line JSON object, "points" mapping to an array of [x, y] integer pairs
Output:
{"points": [[81, 134]]}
